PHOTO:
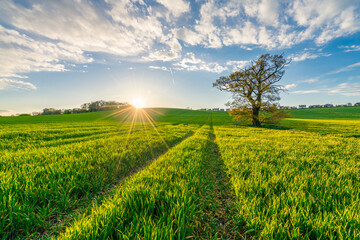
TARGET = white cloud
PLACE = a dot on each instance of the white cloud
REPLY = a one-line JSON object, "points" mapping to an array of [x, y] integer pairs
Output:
{"points": [[247, 34], [352, 48], [237, 65], [308, 55], [346, 89], [325, 20], [21, 54], [266, 11], [311, 80], [6, 83], [290, 86], [191, 63], [160, 68], [58, 33], [188, 36], [347, 68], [306, 91], [7, 112], [162, 55], [176, 7]]}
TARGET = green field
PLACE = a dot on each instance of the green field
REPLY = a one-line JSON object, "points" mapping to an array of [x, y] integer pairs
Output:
{"points": [[180, 174]]}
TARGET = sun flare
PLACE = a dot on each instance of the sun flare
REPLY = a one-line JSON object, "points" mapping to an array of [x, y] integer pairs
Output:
{"points": [[138, 103]]}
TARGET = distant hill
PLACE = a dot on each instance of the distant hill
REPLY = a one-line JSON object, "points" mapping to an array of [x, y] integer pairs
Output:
{"points": [[326, 113], [168, 115]]}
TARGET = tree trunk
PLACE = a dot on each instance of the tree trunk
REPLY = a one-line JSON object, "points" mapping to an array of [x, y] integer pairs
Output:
{"points": [[255, 116]]}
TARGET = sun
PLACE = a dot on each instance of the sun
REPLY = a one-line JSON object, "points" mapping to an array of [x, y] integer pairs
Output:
{"points": [[138, 102]]}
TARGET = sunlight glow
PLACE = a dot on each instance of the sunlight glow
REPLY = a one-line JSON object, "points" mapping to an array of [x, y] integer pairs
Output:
{"points": [[138, 103]]}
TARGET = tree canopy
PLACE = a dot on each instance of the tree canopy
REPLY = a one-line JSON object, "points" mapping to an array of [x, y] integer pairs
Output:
{"points": [[255, 90]]}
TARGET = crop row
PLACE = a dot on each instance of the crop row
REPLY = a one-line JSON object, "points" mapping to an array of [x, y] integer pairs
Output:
{"points": [[166, 200], [341, 128], [293, 184], [41, 186]]}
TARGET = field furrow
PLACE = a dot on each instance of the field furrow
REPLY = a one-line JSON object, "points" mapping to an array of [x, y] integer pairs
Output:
{"points": [[218, 203], [42, 186], [292, 185], [166, 200]]}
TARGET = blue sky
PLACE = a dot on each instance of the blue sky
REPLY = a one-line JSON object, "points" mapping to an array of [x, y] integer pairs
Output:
{"points": [[169, 52]]}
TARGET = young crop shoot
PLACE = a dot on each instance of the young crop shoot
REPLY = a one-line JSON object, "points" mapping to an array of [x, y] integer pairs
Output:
{"points": [[255, 90]]}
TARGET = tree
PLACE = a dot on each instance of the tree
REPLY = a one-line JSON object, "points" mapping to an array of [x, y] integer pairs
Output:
{"points": [[68, 111], [255, 90]]}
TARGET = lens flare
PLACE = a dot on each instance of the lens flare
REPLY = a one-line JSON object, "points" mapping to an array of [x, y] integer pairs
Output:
{"points": [[138, 103]]}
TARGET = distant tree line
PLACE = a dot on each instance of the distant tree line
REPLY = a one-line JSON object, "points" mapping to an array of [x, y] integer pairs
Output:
{"points": [[86, 107]]}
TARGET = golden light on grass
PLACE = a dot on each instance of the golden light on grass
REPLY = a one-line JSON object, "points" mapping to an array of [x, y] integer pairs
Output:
{"points": [[137, 116]]}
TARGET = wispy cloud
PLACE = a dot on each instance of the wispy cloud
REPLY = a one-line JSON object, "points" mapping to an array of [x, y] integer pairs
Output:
{"points": [[347, 68], [352, 48], [40, 37], [192, 63], [311, 80], [164, 69], [16, 84], [237, 65], [306, 91], [346, 89], [160, 68], [308, 55], [289, 86]]}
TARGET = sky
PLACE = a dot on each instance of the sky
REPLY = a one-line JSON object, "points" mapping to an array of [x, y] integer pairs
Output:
{"points": [[62, 53]]}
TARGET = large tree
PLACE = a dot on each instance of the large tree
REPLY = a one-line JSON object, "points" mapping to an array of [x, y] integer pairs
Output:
{"points": [[255, 89]]}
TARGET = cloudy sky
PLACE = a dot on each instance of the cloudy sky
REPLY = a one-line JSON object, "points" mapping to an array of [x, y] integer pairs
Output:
{"points": [[62, 53]]}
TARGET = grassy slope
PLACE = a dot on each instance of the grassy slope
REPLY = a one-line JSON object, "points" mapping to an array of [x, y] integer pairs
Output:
{"points": [[342, 121], [327, 113], [167, 115], [287, 156], [293, 184]]}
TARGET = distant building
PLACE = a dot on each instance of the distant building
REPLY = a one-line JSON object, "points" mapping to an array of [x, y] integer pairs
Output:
{"points": [[341, 105], [221, 109], [315, 106], [357, 104], [228, 109], [36, 113], [328, 105], [203, 109], [349, 104], [302, 106], [216, 109]]}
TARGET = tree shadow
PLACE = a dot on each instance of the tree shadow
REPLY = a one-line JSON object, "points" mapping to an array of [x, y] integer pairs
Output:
{"points": [[266, 126], [275, 127]]}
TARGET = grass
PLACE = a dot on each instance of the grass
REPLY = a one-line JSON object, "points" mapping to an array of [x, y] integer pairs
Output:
{"points": [[164, 201], [186, 174], [291, 184], [49, 172], [344, 113]]}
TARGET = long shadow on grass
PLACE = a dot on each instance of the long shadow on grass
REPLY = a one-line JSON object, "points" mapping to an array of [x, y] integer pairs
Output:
{"points": [[85, 205], [219, 204]]}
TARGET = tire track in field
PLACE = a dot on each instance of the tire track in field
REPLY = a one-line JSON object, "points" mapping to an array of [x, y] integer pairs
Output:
{"points": [[221, 213], [85, 205]]}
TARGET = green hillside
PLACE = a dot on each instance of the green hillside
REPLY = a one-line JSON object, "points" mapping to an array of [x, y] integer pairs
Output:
{"points": [[326, 113], [180, 174]]}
